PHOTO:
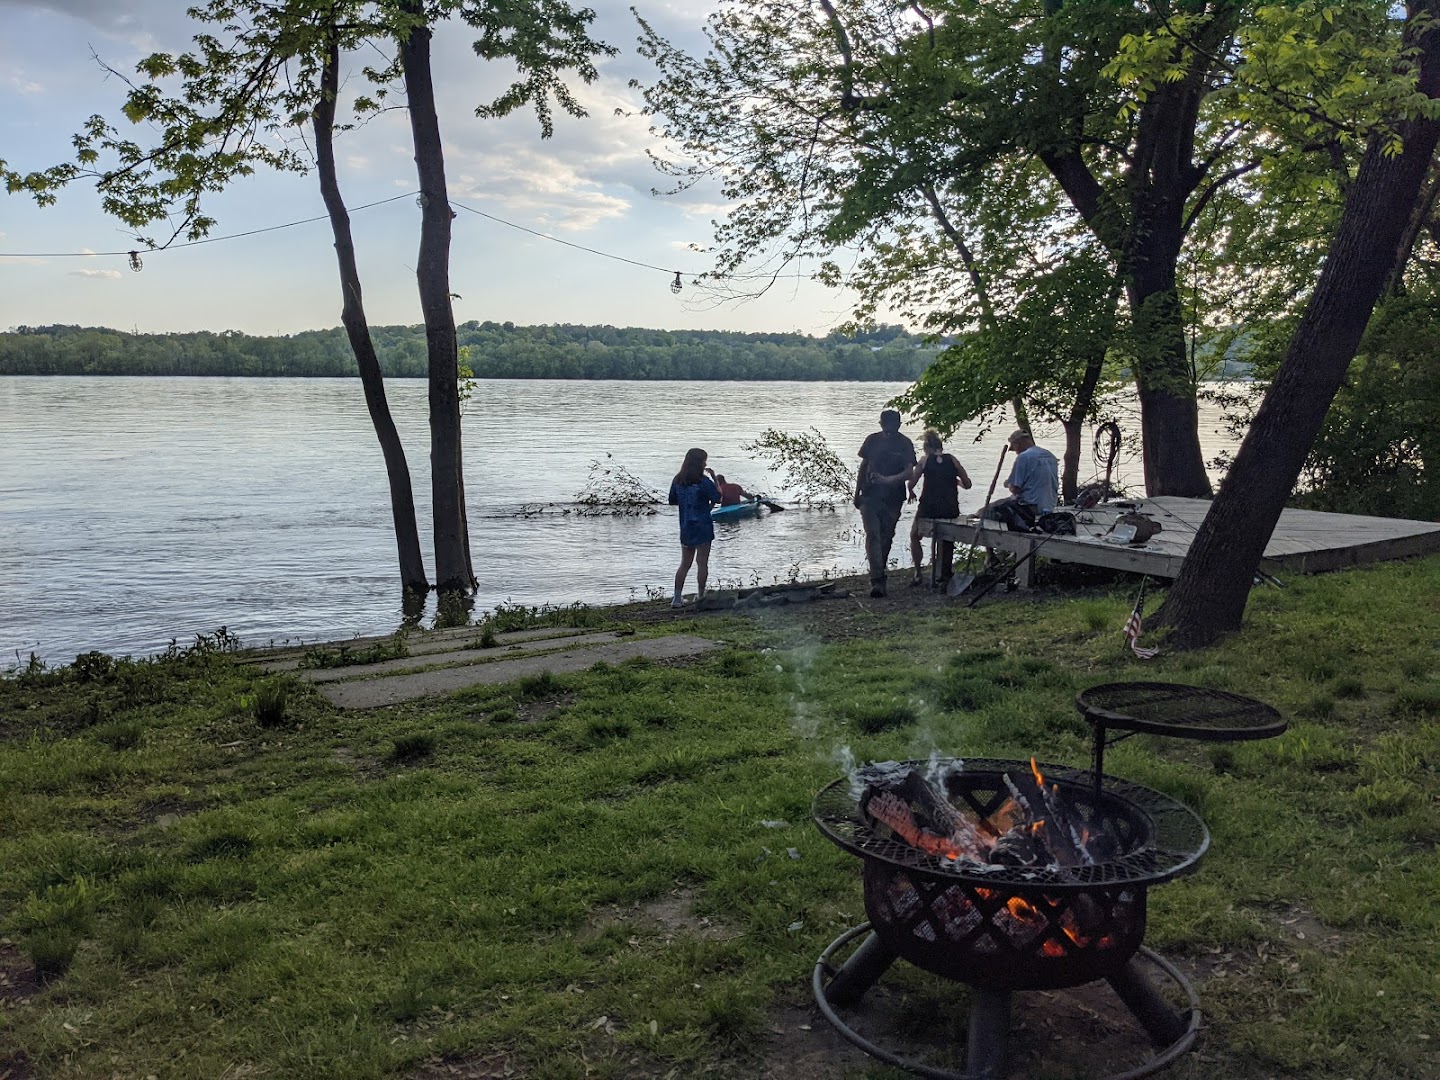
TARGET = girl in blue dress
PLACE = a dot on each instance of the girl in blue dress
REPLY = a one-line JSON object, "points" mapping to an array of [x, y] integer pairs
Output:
{"points": [[694, 493]]}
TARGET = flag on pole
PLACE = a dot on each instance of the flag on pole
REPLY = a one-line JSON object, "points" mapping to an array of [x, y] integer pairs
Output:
{"points": [[1133, 627]]}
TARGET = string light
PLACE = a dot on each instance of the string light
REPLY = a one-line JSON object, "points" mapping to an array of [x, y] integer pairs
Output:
{"points": [[135, 262], [675, 286]]}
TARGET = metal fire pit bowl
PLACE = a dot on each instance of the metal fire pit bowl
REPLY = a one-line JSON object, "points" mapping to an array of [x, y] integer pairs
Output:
{"points": [[1019, 927]]}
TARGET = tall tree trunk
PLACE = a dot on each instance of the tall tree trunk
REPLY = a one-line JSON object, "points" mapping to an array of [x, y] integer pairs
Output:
{"points": [[1164, 380], [1209, 597], [352, 315], [1161, 177], [432, 271]]}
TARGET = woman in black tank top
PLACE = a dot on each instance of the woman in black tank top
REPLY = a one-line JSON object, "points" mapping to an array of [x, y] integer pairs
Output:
{"points": [[939, 498]]}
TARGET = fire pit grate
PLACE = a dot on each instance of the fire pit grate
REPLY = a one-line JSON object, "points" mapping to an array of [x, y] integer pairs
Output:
{"points": [[1157, 837]]}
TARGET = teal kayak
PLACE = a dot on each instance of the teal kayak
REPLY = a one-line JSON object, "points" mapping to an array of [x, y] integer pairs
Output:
{"points": [[736, 512]]}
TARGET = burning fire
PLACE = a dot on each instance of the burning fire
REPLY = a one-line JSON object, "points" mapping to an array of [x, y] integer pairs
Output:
{"points": [[1034, 826], [1028, 828]]}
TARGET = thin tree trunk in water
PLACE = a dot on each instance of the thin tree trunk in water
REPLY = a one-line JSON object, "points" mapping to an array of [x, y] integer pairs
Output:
{"points": [[432, 271], [352, 315], [1209, 597]]}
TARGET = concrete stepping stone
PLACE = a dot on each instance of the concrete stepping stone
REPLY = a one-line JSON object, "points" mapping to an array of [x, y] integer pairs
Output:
{"points": [[453, 657], [375, 693], [419, 642]]}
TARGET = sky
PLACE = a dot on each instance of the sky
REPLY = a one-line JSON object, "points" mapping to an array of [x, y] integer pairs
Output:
{"points": [[591, 184]]}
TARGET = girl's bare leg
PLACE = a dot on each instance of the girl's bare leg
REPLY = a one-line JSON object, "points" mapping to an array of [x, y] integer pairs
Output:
{"points": [[702, 567], [916, 551], [687, 556]]}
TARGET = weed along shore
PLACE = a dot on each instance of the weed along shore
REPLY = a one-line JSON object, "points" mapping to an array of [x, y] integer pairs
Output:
{"points": [[607, 868]]}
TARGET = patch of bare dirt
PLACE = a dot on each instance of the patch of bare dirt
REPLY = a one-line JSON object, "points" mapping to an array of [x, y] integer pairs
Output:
{"points": [[799, 1042], [848, 610], [365, 768], [495, 1066], [15, 1066], [670, 916], [1301, 928], [532, 712], [1080, 1032], [17, 981]]}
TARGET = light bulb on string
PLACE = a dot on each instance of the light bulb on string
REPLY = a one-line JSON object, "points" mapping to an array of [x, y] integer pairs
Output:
{"points": [[676, 286], [135, 263]]}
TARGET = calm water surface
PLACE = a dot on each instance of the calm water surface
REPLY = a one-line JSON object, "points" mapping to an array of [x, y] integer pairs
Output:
{"points": [[137, 510]]}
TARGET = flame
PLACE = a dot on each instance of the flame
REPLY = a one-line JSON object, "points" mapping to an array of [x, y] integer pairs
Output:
{"points": [[1072, 929], [1005, 818], [1039, 776], [1025, 911]]}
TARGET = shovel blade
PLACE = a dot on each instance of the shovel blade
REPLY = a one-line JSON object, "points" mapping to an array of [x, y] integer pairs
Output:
{"points": [[959, 583]]}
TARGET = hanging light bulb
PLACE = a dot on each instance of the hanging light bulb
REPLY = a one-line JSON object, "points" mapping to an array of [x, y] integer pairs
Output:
{"points": [[676, 286], [135, 263]]}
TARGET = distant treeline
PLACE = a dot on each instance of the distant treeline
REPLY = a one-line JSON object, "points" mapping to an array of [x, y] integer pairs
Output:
{"points": [[494, 351]]}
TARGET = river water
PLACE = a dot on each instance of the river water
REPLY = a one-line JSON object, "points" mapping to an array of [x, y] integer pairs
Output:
{"points": [[137, 510]]}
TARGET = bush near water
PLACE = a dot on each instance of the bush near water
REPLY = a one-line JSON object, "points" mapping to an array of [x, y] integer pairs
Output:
{"points": [[612, 873]]}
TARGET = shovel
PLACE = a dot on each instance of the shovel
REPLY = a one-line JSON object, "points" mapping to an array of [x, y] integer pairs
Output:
{"points": [[963, 580], [770, 503]]}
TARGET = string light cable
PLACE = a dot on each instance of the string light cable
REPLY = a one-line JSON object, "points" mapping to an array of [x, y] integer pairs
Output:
{"points": [[675, 286], [136, 264], [134, 254]]}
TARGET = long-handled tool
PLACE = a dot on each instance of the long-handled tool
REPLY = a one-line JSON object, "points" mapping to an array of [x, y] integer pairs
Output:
{"points": [[996, 478], [770, 503], [962, 581]]}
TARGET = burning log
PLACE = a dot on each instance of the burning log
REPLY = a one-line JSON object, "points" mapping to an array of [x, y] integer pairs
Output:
{"points": [[1033, 827]]}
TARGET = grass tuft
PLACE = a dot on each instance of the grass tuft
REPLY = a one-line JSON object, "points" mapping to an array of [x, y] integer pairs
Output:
{"points": [[119, 734], [271, 698], [532, 687], [878, 718], [225, 844], [1418, 701], [409, 749]]}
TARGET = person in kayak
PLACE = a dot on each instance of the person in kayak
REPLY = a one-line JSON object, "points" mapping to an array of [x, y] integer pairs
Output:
{"points": [[939, 498], [731, 494], [694, 493]]}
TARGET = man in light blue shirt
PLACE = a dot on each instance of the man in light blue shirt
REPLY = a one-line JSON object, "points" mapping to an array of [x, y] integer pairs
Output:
{"points": [[1034, 484]]}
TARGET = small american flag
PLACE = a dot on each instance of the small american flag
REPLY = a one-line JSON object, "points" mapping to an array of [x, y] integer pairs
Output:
{"points": [[1133, 626]]}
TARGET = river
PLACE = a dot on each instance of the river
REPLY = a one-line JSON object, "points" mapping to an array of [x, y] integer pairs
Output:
{"points": [[137, 510]]}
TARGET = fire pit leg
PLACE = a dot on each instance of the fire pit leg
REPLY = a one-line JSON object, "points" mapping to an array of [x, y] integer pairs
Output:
{"points": [[989, 1033], [1160, 1021], [865, 966]]}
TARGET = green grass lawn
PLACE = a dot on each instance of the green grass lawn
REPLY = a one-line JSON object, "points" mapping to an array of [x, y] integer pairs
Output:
{"points": [[583, 876]]}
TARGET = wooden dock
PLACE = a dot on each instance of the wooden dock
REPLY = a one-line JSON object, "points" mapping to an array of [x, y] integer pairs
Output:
{"points": [[1304, 541]]}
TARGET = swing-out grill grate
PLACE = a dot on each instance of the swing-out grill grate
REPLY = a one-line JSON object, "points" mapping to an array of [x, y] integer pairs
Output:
{"points": [[1188, 712]]}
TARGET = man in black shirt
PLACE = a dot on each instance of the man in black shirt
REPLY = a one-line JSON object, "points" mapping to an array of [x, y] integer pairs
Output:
{"points": [[886, 458]]}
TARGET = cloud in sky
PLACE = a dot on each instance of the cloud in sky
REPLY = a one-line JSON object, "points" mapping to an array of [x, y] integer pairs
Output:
{"points": [[105, 275]]}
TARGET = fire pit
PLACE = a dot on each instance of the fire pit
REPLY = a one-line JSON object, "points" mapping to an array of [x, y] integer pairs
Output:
{"points": [[1007, 876]]}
